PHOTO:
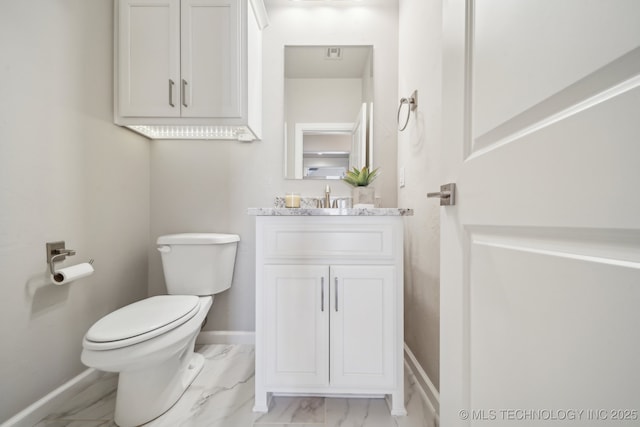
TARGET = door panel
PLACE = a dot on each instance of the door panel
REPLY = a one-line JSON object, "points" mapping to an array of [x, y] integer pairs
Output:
{"points": [[529, 41], [551, 322], [211, 40], [149, 57], [362, 326], [297, 330], [541, 255], [568, 173]]}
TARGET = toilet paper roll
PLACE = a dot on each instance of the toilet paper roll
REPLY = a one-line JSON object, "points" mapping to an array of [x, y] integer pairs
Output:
{"points": [[69, 274]]}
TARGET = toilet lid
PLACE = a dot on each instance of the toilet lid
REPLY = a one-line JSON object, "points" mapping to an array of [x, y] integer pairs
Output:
{"points": [[152, 316]]}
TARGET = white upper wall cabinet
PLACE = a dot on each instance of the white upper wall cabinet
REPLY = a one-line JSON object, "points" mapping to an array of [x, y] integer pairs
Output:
{"points": [[189, 68]]}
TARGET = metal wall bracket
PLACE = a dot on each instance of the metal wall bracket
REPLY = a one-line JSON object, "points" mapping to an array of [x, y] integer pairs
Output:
{"points": [[412, 102], [55, 248], [57, 252]]}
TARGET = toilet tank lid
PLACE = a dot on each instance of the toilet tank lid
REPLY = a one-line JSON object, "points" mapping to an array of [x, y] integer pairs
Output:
{"points": [[197, 239]]}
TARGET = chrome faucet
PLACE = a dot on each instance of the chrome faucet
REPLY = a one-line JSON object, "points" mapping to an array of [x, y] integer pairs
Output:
{"points": [[327, 197]]}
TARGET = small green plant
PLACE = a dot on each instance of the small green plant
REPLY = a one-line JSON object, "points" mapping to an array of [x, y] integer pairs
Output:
{"points": [[360, 178]]}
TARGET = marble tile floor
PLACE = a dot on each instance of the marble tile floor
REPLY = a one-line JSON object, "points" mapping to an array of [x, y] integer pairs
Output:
{"points": [[222, 396]]}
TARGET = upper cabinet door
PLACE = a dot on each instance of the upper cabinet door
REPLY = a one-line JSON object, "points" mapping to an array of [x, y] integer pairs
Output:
{"points": [[211, 83], [149, 58]]}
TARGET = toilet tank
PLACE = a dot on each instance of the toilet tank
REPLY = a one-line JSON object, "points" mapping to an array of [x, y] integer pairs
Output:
{"points": [[198, 263]]}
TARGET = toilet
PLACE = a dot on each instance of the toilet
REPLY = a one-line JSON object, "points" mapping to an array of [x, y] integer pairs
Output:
{"points": [[150, 343]]}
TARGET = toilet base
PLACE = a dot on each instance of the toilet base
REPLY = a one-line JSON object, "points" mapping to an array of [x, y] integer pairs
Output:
{"points": [[144, 395]]}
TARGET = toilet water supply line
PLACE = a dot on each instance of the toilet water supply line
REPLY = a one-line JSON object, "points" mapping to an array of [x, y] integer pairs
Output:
{"points": [[56, 252]]}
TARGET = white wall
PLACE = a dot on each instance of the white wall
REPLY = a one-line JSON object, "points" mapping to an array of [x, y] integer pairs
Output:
{"points": [[66, 173], [208, 185], [322, 100], [419, 149]]}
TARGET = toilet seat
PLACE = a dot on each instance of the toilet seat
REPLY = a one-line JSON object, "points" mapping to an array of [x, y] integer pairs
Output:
{"points": [[141, 321]]}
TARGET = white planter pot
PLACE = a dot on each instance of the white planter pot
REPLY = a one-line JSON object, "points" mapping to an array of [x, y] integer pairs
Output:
{"points": [[363, 196]]}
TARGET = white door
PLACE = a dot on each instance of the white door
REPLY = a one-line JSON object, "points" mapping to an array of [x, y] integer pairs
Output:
{"points": [[297, 325], [211, 61], [363, 317], [149, 58], [540, 274]]}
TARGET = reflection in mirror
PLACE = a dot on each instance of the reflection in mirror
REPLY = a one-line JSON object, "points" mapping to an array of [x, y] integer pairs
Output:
{"points": [[328, 110]]}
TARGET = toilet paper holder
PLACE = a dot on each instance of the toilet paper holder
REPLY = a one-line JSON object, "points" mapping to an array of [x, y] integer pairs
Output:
{"points": [[56, 252]]}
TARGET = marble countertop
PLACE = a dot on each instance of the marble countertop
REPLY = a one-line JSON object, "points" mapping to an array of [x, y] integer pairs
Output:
{"points": [[330, 212]]}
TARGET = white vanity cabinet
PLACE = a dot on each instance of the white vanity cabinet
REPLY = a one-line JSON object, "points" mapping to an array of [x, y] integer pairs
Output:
{"points": [[188, 63], [329, 325], [329, 307]]}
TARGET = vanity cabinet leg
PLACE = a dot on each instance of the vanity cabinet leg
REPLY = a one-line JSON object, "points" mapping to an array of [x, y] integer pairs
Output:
{"points": [[261, 403], [397, 404]]}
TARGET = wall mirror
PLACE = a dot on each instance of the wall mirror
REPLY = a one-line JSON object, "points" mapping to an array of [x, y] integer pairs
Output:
{"points": [[328, 110]]}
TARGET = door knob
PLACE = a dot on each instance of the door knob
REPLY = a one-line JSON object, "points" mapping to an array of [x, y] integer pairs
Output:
{"points": [[447, 194]]}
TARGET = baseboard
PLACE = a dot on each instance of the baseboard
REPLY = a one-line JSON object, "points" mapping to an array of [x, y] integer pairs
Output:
{"points": [[226, 337], [425, 384], [35, 412]]}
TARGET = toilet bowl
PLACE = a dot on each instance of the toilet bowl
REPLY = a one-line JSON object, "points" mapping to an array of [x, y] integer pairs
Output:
{"points": [[150, 343]]}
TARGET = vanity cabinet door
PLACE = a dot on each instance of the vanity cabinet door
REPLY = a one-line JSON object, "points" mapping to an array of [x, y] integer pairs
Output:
{"points": [[296, 305], [149, 58], [363, 321]]}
